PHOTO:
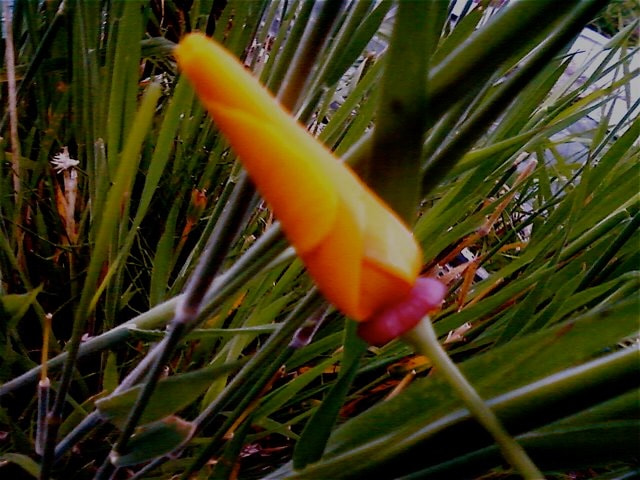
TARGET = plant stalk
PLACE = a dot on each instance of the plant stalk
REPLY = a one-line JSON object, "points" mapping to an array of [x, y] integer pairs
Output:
{"points": [[424, 339]]}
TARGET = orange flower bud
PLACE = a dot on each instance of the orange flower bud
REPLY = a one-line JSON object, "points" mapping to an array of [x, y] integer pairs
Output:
{"points": [[361, 255]]}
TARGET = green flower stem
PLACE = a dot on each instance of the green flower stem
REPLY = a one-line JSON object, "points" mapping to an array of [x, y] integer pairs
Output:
{"points": [[424, 339]]}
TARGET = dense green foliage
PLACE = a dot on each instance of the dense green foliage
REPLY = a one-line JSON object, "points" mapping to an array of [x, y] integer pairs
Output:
{"points": [[524, 160]]}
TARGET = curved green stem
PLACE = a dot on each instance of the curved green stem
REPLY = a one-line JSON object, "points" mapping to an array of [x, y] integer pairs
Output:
{"points": [[423, 338]]}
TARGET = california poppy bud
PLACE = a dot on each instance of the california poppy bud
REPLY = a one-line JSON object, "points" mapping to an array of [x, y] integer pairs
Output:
{"points": [[362, 256], [426, 296]]}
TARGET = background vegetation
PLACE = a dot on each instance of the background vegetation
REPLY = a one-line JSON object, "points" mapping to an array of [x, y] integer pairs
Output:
{"points": [[529, 167]]}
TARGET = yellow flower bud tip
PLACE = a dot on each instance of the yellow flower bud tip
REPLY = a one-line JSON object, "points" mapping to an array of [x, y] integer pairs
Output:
{"points": [[361, 255]]}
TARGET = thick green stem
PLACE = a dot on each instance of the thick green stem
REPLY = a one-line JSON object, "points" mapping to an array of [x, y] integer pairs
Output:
{"points": [[424, 339], [393, 166]]}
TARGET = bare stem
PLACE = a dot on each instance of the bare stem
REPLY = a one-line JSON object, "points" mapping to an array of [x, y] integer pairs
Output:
{"points": [[424, 339]]}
